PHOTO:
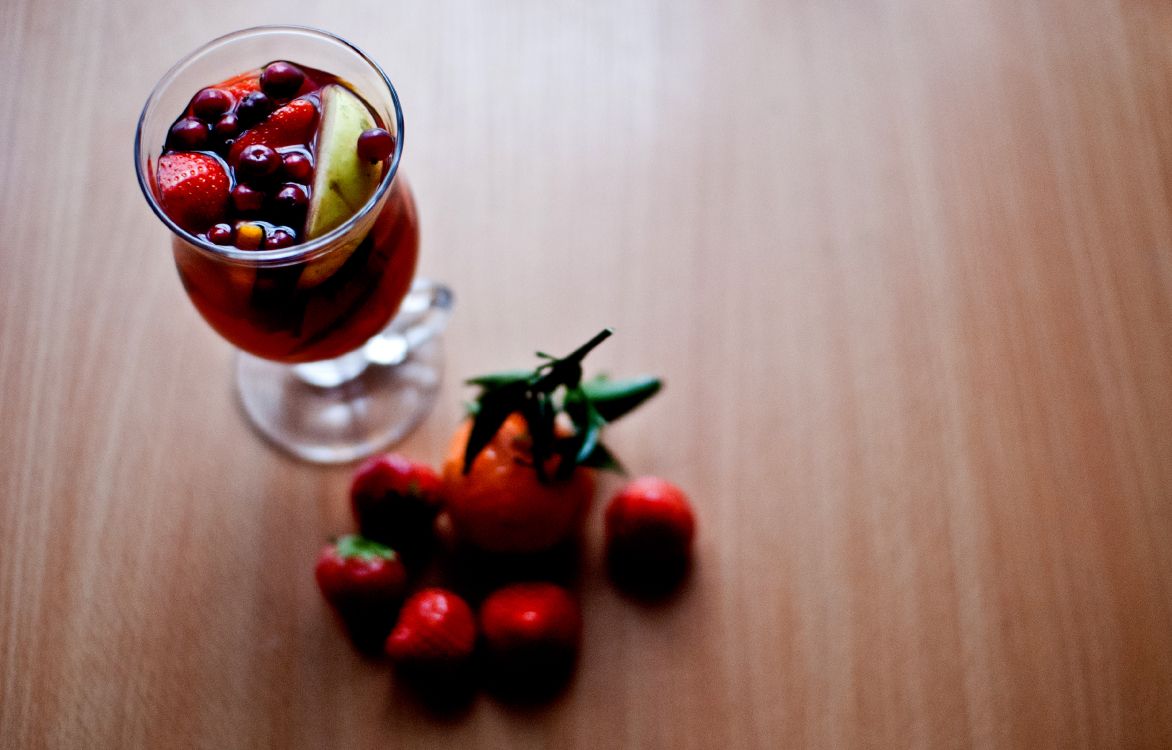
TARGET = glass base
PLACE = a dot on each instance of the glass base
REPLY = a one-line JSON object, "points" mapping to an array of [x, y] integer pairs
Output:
{"points": [[344, 409]]}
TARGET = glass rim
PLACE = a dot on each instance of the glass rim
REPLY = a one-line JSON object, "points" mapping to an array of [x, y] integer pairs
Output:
{"points": [[294, 252]]}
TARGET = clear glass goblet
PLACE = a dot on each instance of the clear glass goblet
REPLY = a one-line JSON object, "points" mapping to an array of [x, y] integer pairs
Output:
{"points": [[339, 351]]}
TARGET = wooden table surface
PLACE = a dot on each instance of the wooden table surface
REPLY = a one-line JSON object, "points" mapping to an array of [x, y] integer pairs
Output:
{"points": [[906, 268]]}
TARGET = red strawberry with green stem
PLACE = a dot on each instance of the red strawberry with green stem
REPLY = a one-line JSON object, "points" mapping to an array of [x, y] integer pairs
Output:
{"points": [[363, 581], [193, 189]]}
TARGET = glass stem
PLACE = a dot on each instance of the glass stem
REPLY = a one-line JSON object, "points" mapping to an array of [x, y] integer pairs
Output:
{"points": [[330, 373]]}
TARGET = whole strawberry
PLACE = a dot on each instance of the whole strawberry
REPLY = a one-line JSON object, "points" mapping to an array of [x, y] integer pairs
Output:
{"points": [[395, 501], [533, 631], [649, 532], [436, 630], [363, 581], [527, 618], [193, 189]]}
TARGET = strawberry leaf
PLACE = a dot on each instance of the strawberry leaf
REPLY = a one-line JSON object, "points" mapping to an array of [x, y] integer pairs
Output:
{"points": [[353, 545]]}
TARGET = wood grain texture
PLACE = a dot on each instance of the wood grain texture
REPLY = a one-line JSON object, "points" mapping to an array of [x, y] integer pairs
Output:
{"points": [[907, 270]]}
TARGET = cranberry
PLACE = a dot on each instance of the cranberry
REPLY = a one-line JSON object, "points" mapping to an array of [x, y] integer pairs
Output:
{"points": [[375, 144], [227, 126], [246, 200], [257, 162], [291, 199], [253, 108], [221, 234], [209, 104], [280, 237], [281, 80], [298, 167], [188, 134]]}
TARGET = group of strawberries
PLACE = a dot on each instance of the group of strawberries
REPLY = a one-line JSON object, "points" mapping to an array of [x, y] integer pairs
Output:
{"points": [[529, 629], [515, 490]]}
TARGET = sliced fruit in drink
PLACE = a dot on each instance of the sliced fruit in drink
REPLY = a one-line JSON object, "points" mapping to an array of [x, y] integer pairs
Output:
{"points": [[290, 125], [343, 182]]}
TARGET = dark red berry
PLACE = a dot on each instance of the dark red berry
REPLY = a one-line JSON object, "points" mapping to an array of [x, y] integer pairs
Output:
{"points": [[375, 144], [188, 134], [227, 126], [650, 527], [246, 200], [257, 162], [209, 104], [298, 167], [280, 237], [254, 108], [221, 234], [291, 199], [281, 80]]}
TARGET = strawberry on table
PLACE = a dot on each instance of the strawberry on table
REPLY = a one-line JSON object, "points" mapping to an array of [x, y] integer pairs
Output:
{"points": [[436, 629], [532, 631], [193, 189], [395, 501], [649, 531], [531, 619], [363, 581]]}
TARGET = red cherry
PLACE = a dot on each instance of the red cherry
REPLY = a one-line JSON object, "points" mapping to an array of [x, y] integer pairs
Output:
{"points": [[281, 80], [220, 234], [189, 134], [227, 126], [257, 162], [291, 199], [209, 104], [254, 107], [247, 200], [280, 237], [298, 167], [375, 144]]}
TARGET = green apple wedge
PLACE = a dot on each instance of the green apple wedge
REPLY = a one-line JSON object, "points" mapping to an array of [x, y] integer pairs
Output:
{"points": [[342, 182]]}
